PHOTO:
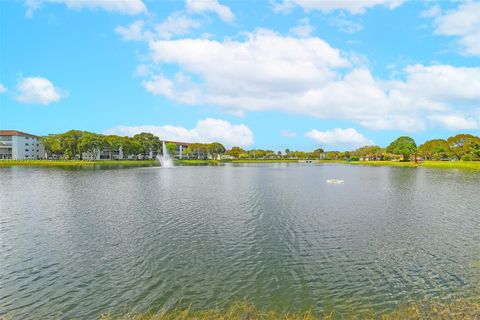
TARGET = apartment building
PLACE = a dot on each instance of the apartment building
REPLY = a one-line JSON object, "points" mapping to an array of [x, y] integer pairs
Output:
{"points": [[17, 145]]}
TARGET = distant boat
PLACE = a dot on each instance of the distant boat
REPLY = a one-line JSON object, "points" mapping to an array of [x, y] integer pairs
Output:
{"points": [[335, 181]]}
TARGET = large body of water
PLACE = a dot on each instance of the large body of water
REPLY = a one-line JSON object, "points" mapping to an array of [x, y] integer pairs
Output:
{"points": [[81, 242]]}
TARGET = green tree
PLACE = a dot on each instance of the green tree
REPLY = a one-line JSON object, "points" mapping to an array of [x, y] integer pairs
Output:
{"points": [[130, 146], [52, 145], [113, 143], [69, 143], [92, 143], [435, 149], [460, 144], [148, 143], [236, 152], [172, 149], [404, 146], [215, 149]]}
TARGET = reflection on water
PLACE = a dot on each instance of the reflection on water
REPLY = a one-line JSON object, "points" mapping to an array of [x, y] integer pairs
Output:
{"points": [[81, 242]]}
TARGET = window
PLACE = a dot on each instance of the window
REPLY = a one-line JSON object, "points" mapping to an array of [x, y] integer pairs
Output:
{"points": [[26, 144], [26, 150]]}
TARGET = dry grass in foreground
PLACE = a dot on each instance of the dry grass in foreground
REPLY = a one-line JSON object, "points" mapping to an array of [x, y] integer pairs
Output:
{"points": [[454, 310]]}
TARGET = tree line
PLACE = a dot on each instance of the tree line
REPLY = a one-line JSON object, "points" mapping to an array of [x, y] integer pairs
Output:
{"points": [[464, 147], [74, 144]]}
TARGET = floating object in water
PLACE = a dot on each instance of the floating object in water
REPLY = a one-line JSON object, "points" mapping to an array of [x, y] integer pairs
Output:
{"points": [[335, 181]]}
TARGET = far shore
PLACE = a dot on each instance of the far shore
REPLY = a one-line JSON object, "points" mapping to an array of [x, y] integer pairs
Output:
{"points": [[465, 165]]}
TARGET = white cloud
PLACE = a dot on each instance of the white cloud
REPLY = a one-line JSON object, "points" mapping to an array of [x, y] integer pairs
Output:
{"points": [[37, 90], [345, 25], [198, 6], [130, 7], [455, 122], [351, 6], [133, 32], [339, 138], [206, 131], [176, 24], [433, 11], [304, 29], [464, 23], [2, 88], [307, 76], [289, 134]]}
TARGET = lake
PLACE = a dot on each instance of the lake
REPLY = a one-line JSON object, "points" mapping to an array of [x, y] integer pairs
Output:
{"points": [[80, 242]]}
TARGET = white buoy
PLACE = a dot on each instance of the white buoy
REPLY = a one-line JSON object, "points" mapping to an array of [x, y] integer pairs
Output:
{"points": [[335, 181]]}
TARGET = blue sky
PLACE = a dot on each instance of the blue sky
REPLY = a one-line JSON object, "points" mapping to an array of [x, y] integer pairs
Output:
{"points": [[271, 74]]}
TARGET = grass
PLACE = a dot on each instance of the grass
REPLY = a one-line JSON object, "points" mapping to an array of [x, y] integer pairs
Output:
{"points": [[465, 165], [75, 163], [457, 309], [196, 162], [262, 160]]}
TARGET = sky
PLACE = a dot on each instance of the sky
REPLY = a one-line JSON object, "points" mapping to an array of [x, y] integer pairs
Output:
{"points": [[276, 74]]}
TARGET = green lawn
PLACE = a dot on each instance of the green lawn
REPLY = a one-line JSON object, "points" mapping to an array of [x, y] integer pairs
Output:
{"points": [[196, 162], [75, 163], [465, 165], [262, 160]]}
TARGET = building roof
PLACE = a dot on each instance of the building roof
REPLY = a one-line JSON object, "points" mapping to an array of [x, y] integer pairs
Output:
{"points": [[16, 133]]}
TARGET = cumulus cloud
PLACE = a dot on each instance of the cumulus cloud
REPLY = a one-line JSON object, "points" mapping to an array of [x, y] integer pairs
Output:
{"points": [[133, 32], [340, 138], [303, 29], [345, 25], [129, 7], [433, 11], [351, 6], [223, 11], [207, 130], [37, 90], [307, 76], [464, 23], [176, 24], [2, 88], [455, 122]]}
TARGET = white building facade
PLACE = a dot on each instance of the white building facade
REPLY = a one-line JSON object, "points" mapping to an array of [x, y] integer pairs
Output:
{"points": [[17, 145]]}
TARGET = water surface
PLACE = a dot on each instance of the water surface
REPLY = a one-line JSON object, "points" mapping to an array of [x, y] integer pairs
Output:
{"points": [[81, 242]]}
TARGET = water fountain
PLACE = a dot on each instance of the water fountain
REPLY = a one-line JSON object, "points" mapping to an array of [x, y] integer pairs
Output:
{"points": [[164, 158]]}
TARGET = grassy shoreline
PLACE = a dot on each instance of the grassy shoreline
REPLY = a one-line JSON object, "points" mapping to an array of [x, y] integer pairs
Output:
{"points": [[463, 165], [436, 309], [75, 163]]}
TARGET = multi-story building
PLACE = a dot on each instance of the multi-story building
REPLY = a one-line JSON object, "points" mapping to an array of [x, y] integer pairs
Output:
{"points": [[17, 145]]}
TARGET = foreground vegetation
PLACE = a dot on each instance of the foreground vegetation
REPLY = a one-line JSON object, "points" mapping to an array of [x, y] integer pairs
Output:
{"points": [[464, 165], [467, 165], [75, 163], [458, 309]]}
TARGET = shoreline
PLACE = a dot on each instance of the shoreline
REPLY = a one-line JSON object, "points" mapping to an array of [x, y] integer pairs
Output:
{"points": [[463, 165], [75, 163], [464, 308]]}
